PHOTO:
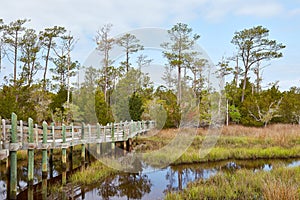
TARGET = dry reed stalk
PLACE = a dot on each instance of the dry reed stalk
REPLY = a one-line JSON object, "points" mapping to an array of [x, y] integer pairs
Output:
{"points": [[276, 189]]}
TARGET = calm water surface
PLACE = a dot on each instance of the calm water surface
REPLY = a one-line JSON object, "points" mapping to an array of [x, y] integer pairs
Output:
{"points": [[150, 183]]}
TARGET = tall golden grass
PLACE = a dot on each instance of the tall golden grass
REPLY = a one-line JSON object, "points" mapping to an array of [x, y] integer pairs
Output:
{"points": [[278, 133], [277, 189]]}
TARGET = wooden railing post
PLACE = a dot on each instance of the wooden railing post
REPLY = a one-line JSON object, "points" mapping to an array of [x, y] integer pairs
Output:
{"points": [[143, 126], [98, 139], [112, 129], [3, 132], [53, 134], [51, 149], [82, 145], [44, 151], [21, 133], [88, 145], [36, 132], [71, 149], [104, 130], [72, 132], [131, 128], [31, 147], [13, 158]]}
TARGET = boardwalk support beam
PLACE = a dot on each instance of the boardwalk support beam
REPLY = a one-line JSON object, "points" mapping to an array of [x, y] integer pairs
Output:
{"points": [[44, 151], [13, 158], [30, 153], [64, 148]]}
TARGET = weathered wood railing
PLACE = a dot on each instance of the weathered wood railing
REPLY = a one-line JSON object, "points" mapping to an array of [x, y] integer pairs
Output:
{"points": [[74, 134], [18, 135]]}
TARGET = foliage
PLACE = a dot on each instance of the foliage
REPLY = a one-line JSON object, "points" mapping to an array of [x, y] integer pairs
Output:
{"points": [[57, 105], [130, 44], [178, 50], [133, 81], [234, 114], [290, 106], [128, 93], [168, 100], [103, 110], [254, 46], [135, 106]]}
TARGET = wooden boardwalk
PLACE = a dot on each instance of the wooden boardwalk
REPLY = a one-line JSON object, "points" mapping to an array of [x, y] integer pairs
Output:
{"points": [[74, 134], [18, 135]]}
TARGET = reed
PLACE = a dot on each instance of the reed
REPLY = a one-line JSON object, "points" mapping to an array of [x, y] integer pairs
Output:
{"points": [[244, 184]]}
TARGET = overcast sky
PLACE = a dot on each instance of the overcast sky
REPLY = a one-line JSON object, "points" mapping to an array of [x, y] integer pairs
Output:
{"points": [[215, 20]]}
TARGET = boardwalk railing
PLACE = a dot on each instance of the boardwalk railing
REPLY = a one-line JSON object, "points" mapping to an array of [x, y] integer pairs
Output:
{"points": [[18, 135], [74, 134]]}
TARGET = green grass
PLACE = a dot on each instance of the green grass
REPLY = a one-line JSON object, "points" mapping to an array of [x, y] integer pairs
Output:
{"points": [[222, 153], [280, 183], [95, 172], [241, 147], [240, 143]]}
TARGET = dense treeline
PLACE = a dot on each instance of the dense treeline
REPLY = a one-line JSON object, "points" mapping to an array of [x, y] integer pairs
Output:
{"points": [[41, 87]]}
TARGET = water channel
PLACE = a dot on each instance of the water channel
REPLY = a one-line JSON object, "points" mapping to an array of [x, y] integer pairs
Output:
{"points": [[150, 183]]}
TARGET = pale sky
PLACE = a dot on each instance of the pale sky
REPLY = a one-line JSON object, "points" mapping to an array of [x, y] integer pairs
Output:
{"points": [[214, 20]]}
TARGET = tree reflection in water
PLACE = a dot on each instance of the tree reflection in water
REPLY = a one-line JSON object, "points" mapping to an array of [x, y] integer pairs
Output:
{"points": [[132, 186]]}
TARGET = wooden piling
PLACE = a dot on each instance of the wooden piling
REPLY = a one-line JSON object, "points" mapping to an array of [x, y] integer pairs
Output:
{"points": [[30, 192], [129, 146], [64, 178], [13, 158], [64, 148], [51, 150], [70, 157], [30, 152], [44, 151], [109, 134], [44, 188]]}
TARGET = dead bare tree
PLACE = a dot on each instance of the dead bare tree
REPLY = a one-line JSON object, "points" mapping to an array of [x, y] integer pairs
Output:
{"points": [[265, 116]]}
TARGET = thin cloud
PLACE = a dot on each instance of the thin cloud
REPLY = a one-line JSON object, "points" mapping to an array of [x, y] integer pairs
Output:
{"points": [[294, 12], [260, 9], [218, 10]]}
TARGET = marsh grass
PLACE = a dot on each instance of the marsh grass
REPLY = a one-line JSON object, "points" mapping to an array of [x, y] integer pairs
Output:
{"points": [[95, 172], [238, 142], [277, 189], [279, 134], [280, 183], [235, 142]]}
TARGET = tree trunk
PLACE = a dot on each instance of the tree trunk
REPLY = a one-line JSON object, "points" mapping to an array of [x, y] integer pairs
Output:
{"points": [[15, 59], [68, 78], [127, 61], [0, 56], [236, 77], [244, 86], [179, 86], [46, 64], [227, 113]]}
